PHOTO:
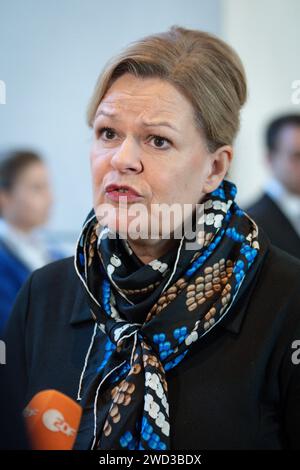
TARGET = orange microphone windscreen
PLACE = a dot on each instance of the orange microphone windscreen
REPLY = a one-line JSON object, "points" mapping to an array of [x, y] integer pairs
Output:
{"points": [[52, 420]]}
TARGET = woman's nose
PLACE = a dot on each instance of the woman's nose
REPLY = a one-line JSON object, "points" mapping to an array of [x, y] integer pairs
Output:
{"points": [[127, 158]]}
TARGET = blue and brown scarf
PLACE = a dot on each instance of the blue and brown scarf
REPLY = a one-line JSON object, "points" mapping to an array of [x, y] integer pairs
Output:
{"points": [[151, 315]]}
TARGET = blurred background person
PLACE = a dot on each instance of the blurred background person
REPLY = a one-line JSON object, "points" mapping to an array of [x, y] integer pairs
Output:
{"points": [[277, 211], [25, 203]]}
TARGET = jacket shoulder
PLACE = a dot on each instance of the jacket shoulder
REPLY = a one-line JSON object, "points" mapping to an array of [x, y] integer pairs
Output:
{"points": [[284, 264], [281, 270], [61, 271]]}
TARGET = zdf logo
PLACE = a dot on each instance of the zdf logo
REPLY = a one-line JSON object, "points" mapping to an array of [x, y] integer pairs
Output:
{"points": [[55, 422], [295, 98], [296, 354]]}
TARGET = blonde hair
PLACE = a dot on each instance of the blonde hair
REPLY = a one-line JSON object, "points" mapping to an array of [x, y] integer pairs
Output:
{"points": [[205, 69]]}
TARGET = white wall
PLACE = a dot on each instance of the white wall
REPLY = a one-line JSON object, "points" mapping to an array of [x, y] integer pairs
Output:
{"points": [[51, 53], [266, 34]]}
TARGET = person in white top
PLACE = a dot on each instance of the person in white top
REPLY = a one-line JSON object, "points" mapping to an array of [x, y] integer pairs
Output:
{"points": [[25, 204], [278, 210]]}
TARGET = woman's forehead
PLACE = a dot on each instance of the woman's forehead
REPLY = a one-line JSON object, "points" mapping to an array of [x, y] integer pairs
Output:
{"points": [[146, 114], [146, 117], [152, 95]]}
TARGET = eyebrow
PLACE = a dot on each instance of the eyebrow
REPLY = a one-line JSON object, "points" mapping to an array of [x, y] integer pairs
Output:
{"points": [[144, 123]]}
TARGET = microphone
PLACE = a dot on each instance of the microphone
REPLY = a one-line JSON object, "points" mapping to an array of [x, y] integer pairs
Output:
{"points": [[52, 420]]}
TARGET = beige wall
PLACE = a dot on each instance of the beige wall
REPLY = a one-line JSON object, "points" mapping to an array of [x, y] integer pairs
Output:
{"points": [[266, 34]]}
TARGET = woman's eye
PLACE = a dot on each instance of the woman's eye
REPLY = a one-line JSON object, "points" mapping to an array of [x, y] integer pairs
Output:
{"points": [[159, 141], [110, 133]]}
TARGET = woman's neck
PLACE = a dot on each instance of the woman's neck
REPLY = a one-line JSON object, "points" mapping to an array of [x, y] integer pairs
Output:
{"points": [[149, 250]]}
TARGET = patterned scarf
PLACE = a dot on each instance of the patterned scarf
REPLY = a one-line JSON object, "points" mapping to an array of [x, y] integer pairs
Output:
{"points": [[151, 314]]}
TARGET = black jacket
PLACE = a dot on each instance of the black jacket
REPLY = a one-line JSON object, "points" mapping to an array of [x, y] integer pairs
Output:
{"points": [[237, 388], [280, 231]]}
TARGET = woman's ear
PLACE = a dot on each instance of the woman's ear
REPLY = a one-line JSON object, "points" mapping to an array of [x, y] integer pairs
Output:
{"points": [[219, 163]]}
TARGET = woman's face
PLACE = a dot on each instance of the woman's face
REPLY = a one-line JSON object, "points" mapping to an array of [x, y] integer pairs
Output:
{"points": [[145, 137]]}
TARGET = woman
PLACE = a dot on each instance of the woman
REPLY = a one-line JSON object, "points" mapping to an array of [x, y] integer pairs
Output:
{"points": [[167, 342], [25, 202]]}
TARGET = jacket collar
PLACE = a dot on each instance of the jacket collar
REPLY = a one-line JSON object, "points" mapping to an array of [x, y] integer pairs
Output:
{"points": [[81, 310]]}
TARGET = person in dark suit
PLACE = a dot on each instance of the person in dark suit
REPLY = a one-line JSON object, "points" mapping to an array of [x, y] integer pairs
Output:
{"points": [[168, 338], [277, 211]]}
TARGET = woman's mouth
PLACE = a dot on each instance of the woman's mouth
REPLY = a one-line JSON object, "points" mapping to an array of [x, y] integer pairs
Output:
{"points": [[122, 193]]}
